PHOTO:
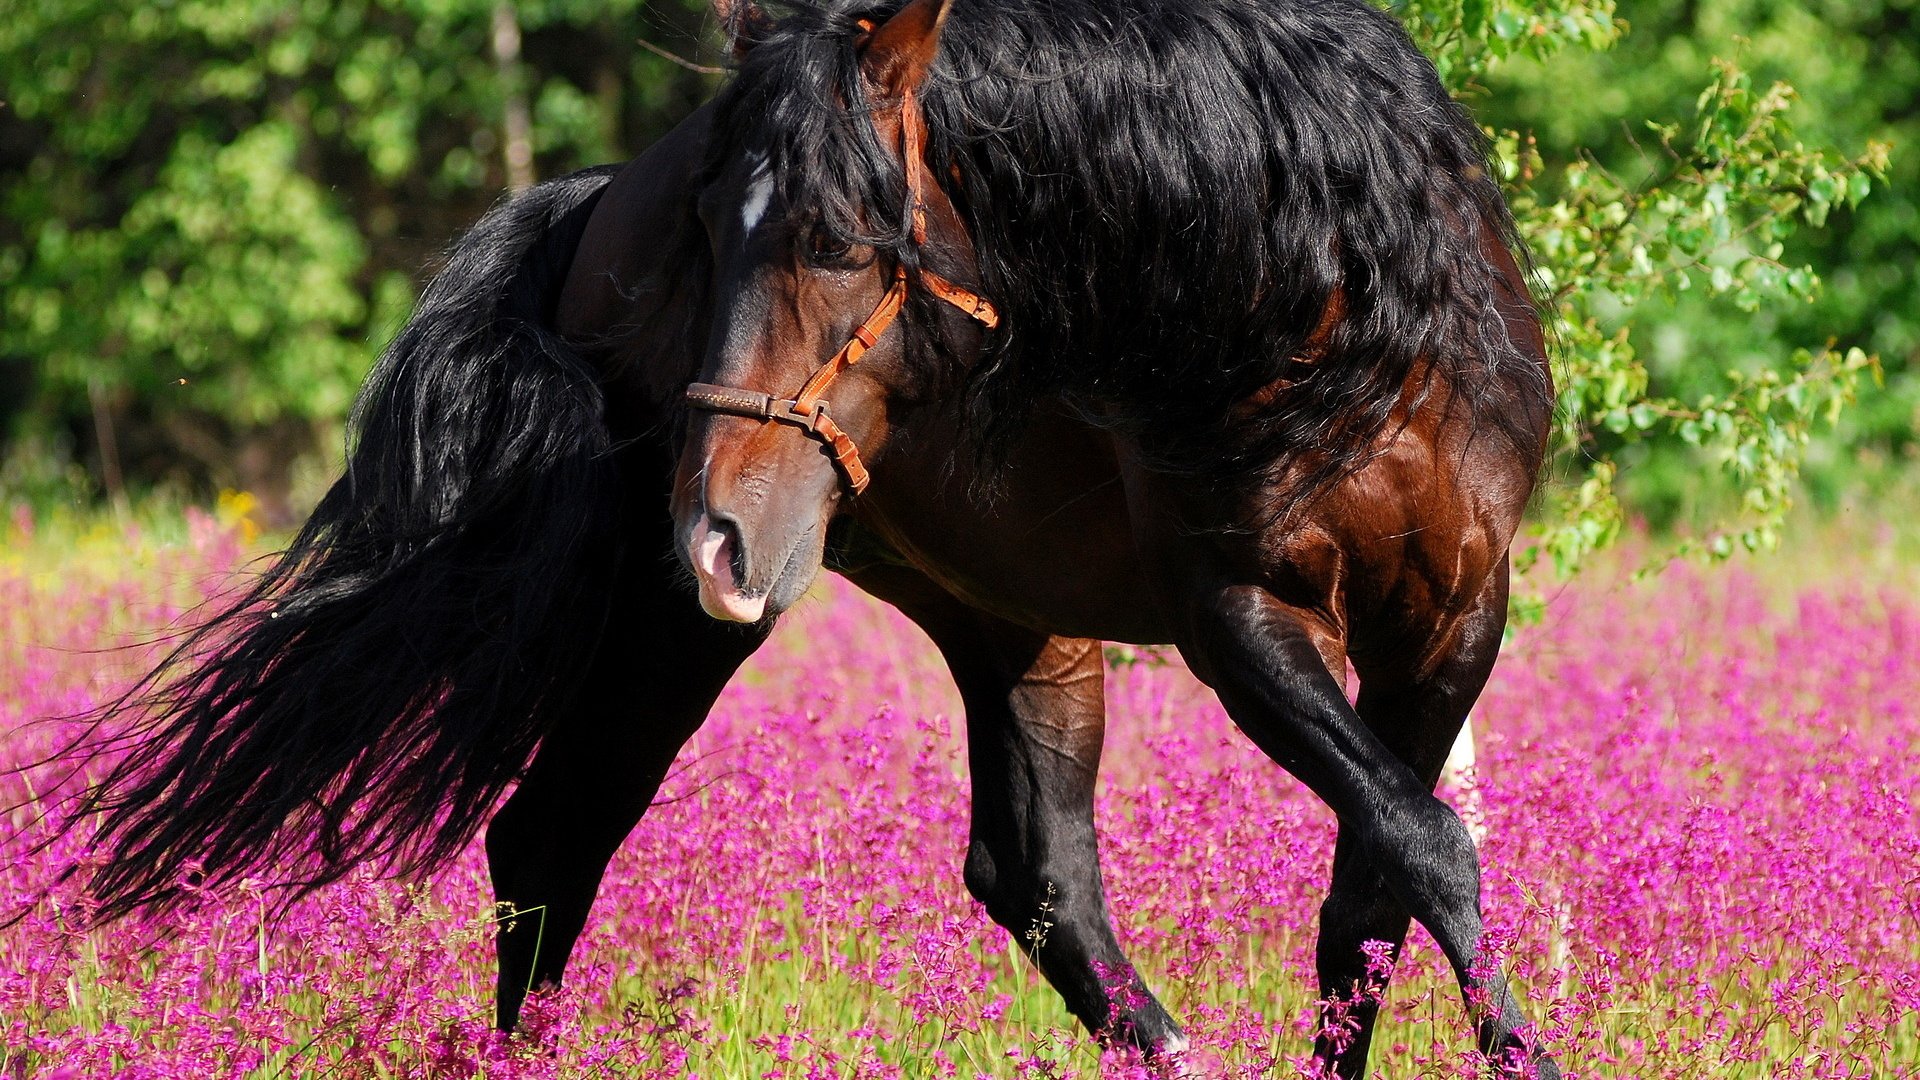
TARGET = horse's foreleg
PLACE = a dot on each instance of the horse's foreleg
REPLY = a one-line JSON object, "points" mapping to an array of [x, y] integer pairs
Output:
{"points": [[1036, 719], [657, 674], [1034, 752], [1418, 717], [1263, 658]]}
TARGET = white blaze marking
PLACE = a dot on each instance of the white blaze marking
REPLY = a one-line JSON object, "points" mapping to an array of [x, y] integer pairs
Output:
{"points": [[759, 194]]}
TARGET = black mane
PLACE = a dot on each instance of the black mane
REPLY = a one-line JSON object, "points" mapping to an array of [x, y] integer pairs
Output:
{"points": [[1166, 196]]}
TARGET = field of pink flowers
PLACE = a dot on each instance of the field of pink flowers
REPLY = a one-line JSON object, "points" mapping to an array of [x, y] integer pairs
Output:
{"points": [[1702, 861]]}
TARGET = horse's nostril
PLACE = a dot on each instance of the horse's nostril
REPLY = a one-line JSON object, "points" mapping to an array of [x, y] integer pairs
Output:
{"points": [[717, 551], [735, 551], [721, 567]]}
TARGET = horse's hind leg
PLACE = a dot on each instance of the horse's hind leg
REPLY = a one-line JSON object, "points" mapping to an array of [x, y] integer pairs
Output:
{"points": [[662, 664], [1417, 718], [1263, 658], [1036, 718]]}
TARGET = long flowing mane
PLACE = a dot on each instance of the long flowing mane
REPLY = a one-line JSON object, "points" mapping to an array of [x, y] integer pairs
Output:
{"points": [[1242, 231]]}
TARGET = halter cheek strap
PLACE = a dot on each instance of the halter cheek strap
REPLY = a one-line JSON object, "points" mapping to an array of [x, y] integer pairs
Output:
{"points": [[807, 410]]}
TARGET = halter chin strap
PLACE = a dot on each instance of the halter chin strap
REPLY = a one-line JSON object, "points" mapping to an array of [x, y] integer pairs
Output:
{"points": [[807, 410]]}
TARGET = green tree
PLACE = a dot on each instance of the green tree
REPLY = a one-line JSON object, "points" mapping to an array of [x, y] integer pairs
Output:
{"points": [[1854, 66], [213, 211], [1695, 209]]}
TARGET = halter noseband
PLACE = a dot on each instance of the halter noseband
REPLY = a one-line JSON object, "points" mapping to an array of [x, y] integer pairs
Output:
{"points": [[806, 410]]}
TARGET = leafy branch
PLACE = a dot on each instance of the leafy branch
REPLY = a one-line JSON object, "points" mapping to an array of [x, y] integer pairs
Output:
{"points": [[1721, 196]]}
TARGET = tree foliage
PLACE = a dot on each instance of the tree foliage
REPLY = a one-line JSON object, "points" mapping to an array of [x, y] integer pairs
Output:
{"points": [[1705, 204], [213, 211], [1855, 69]]}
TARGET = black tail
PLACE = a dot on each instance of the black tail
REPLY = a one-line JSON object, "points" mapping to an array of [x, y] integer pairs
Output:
{"points": [[375, 692]]}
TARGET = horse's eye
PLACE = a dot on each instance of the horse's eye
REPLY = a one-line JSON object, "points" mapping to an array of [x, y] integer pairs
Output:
{"points": [[824, 247]]}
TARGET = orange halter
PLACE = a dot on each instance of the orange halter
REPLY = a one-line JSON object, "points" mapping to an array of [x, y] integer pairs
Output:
{"points": [[806, 410]]}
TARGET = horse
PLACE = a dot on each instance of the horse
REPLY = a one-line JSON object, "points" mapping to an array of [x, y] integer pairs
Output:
{"points": [[473, 604], [1201, 324]]}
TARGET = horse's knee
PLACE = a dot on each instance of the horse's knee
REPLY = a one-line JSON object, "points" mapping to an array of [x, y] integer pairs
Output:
{"points": [[984, 881], [1429, 860], [1450, 846], [1013, 897]]}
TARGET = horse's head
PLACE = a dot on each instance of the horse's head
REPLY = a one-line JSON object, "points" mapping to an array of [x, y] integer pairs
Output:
{"points": [[834, 313]]}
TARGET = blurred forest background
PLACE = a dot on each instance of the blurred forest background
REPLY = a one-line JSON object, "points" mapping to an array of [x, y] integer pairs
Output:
{"points": [[214, 212]]}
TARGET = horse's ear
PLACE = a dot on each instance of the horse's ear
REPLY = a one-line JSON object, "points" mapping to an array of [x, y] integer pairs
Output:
{"points": [[899, 51], [744, 24]]}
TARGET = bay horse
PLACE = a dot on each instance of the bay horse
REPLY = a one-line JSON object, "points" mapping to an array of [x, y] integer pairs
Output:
{"points": [[1199, 324]]}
